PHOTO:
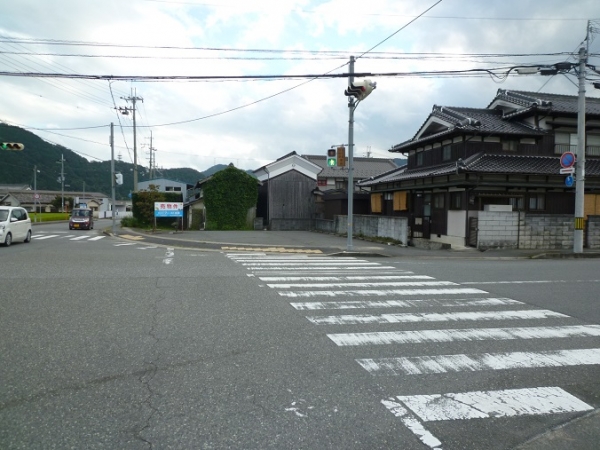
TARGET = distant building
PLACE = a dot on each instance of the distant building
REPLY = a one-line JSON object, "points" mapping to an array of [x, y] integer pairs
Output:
{"points": [[337, 177], [286, 197], [166, 185]]}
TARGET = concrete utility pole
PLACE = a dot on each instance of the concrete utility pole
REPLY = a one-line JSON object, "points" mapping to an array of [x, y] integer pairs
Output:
{"points": [[112, 175], [133, 99], [35, 194], [351, 108], [152, 159], [580, 164], [62, 182]]}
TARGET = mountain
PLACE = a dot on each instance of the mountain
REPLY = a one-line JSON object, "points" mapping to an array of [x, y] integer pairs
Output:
{"points": [[16, 167]]}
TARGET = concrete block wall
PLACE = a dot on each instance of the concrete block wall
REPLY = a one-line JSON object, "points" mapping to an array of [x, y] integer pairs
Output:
{"points": [[593, 232], [525, 231], [369, 226], [549, 232], [498, 229]]}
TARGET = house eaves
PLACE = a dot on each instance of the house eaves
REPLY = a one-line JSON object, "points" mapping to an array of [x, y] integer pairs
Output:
{"points": [[291, 161], [470, 121], [482, 163]]}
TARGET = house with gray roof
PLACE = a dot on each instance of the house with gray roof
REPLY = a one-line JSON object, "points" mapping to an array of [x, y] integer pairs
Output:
{"points": [[463, 163], [337, 177]]}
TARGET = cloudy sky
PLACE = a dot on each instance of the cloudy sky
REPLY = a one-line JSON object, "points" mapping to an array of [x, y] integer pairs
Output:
{"points": [[250, 122]]}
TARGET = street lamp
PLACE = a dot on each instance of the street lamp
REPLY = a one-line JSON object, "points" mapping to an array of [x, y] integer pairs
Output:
{"points": [[355, 93]]}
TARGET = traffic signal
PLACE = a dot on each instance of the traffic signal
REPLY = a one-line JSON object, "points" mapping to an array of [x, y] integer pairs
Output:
{"points": [[119, 178], [11, 146], [331, 157], [341, 156], [360, 89]]}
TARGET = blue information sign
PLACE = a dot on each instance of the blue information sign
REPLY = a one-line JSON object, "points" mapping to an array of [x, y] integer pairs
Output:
{"points": [[569, 181]]}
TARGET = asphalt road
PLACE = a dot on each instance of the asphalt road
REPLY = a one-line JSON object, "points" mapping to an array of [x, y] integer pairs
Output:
{"points": [[106, 343]]}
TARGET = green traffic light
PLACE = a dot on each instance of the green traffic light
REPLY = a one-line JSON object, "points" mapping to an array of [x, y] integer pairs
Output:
{"points": [[331, 162], [11, 146]]}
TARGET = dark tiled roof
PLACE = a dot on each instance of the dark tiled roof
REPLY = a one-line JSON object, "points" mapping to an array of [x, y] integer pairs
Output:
{"points": [[487, 163], [363, 167], [556, 103], [473, 120]]}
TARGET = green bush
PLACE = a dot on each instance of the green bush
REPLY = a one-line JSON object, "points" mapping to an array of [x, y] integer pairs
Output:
{"points": [[228, 196]]}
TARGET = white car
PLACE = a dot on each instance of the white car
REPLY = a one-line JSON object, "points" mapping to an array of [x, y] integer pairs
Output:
{"points": [[15, 225]]}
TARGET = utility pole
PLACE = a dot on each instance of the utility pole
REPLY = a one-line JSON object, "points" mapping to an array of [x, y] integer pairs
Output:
{"points": [[62, 182], [152, 158], [355, 93], [35, 194], [580, 164], [124, 110], [351, 107], [112, 175]]}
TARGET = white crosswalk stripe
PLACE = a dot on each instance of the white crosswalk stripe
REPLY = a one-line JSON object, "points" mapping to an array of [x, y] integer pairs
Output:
{"points": [[418, 303], [465, 334], [435, 317], [305, 277], [421, 365], [68, 237]]}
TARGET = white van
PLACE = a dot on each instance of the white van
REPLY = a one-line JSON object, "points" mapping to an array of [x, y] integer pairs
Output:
{"points": [[15, 225]]}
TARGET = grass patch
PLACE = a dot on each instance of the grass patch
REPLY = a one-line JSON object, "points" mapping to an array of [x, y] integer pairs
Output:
{"points": [[48, 217]]}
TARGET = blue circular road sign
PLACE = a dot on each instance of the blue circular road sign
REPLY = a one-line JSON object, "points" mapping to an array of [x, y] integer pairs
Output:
{"points": [[569, 181]]}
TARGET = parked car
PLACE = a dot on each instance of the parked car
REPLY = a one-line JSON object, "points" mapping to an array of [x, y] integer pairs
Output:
{"points": [[81, 218], [15, 225]]}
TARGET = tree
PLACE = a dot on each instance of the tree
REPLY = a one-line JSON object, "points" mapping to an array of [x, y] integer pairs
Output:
{"points": [[58, 201]]}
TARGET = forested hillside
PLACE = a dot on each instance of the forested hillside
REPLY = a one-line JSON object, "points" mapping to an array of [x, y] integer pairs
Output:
{"points": [[16, 167]]}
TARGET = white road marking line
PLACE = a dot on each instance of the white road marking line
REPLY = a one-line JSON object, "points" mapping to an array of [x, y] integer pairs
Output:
{"points": [[79, 238], [364, 284], [349, 277], [124, 244], [380, 293], [467, 334], [491, 404], [169, 255], [423, 303], [479, 405], [421, 365], [47, 236], [97, 238], [531, 282], [303, 259], [295, 269], [435, 317], [304, 263], [411, 422]]}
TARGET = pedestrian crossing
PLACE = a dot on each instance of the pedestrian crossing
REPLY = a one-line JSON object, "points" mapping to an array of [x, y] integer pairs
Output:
{"points": [[79, 237], [333, 292], [69, 237]]}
